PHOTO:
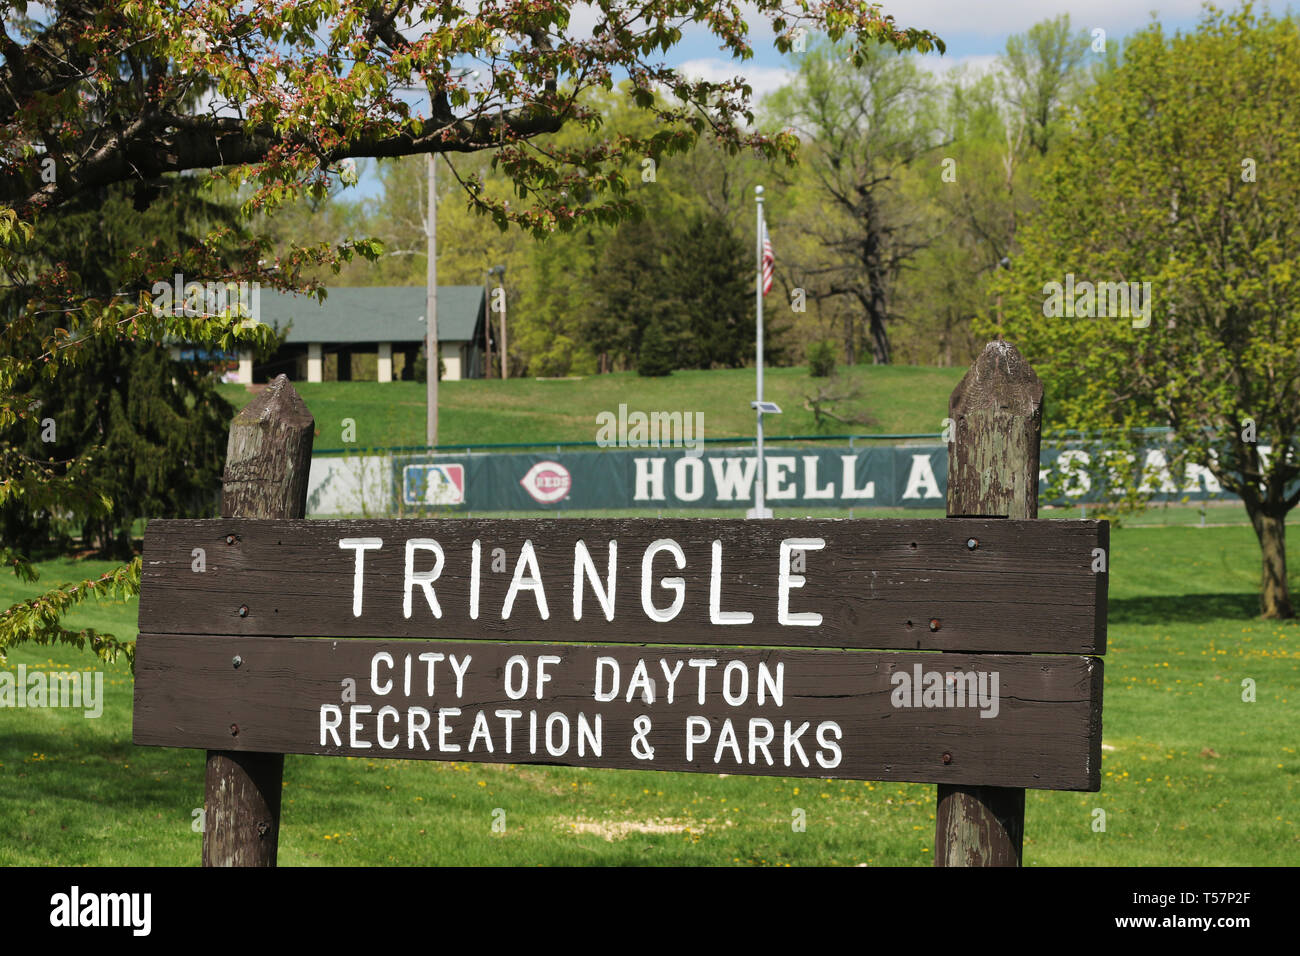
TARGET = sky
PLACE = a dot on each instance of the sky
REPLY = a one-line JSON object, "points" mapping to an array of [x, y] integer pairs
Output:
{"points": [[975, 32]]}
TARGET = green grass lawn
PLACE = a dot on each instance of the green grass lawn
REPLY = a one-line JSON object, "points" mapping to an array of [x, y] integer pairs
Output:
{"points": [[1177, 514], [901, 399], [1192, 775]]}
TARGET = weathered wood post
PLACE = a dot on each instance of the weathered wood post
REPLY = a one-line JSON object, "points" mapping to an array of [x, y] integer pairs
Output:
{"points": [[997, 417], [267, 463]]}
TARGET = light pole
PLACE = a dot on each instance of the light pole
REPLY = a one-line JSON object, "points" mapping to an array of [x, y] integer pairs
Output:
{"points": [[431, 285], [500, 271]]}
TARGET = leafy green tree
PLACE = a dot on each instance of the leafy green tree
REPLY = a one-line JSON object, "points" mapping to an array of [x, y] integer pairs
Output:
{"points": [[800, 302], [1184, 173], [420, 367], [692, 283], [821, 359], [971, 198], [274, 98], [556, 294], [1041, 69]]}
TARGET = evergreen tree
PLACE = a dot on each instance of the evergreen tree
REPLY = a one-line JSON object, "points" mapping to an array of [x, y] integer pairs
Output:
{"points": [[420, 368], [631, 287], [712, 275], [146, 435], [660, 347]]}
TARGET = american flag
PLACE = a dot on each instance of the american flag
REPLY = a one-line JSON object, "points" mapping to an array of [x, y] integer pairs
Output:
{"points": [[769, 261]]}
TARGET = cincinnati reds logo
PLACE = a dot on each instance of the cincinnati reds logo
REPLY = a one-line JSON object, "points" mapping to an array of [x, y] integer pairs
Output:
{"points": [[547, 482]]}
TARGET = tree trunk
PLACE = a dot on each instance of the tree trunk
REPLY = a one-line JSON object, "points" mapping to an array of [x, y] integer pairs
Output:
{"points": [[880, 350], [122, 544], [1269, 522], [878, 279]]}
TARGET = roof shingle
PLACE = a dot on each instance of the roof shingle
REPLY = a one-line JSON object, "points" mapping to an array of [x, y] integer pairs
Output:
{"points": [[374, 314]]}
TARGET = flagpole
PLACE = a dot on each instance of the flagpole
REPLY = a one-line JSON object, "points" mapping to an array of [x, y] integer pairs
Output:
{"points": [[759, 509]]}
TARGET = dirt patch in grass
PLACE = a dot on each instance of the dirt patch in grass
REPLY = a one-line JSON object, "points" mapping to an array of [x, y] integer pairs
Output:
{"points": [[612, 830]]}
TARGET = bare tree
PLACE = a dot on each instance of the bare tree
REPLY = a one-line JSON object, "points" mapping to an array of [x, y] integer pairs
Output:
{"points": [[862, 127]]}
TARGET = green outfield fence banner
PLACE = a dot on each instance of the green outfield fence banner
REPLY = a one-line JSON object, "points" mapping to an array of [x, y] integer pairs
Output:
{"points": [[876, 477]]}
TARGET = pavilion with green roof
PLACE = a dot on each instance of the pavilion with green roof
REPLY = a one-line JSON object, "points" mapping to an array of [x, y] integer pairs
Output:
{"points": [[385, 320]]}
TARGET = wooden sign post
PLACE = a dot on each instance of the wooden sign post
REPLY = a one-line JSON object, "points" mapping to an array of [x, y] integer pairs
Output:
{"points": [[997, 416], [267, 463], [796, 648]]}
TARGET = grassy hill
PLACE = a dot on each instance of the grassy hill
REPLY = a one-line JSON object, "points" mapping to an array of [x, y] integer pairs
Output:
{"points": [[899, 399]]}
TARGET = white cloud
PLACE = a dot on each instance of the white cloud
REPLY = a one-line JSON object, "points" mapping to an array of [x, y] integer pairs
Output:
{"points": [[763, 79], [975, 65], [946, 17]]}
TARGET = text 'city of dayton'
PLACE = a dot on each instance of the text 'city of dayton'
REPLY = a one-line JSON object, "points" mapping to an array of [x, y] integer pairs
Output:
{"points": [[588, 585]]}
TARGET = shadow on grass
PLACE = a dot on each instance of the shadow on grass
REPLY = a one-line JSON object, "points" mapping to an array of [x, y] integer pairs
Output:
{"points": [[113, 773], [1169, 608]]}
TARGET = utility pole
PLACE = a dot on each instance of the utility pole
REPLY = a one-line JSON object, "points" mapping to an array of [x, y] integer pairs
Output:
{"points": [[505, 345], [431, 307], [487, 326], [500, 272], [431, 283]]}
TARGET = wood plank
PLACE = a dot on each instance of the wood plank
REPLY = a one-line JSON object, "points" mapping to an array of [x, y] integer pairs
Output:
{"points": [[1026, 586], [1043, 727]]}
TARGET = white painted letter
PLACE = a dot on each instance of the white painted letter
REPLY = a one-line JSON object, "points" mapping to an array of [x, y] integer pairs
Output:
{"points": [[528, 559], [716, 615], [582, 563], [362, 545], [786, 581], [374, 672], [601, 694], [425, 578], [674, 584]]}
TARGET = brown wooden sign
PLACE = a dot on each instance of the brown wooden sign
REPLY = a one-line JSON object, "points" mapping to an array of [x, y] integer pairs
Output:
{"points": [[1009, 720], [232, 612], [965, 584]]}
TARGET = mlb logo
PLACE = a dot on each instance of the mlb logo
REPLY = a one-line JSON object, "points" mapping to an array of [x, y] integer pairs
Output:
{"points": [[433, 484]]}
